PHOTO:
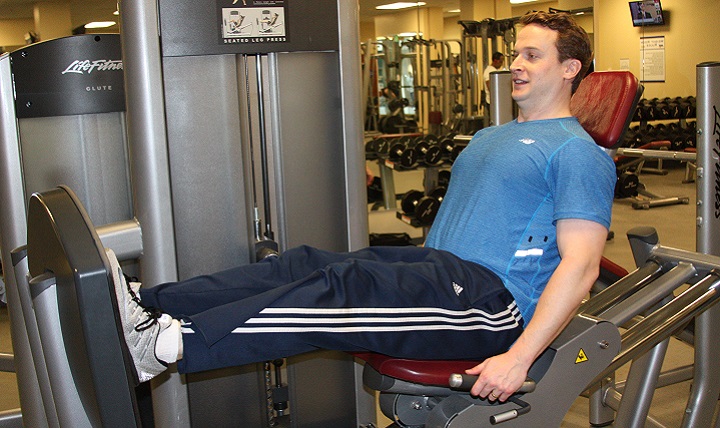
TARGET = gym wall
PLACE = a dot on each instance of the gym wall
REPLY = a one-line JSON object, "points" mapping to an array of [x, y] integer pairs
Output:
{"points": [[689, 37], [689, 40]]}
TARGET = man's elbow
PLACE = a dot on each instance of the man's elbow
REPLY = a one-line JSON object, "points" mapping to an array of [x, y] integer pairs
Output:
{"points": [[590, 275]]}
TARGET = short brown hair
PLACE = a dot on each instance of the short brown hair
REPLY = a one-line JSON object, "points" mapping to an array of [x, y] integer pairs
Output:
{"points": [[572, 42]]}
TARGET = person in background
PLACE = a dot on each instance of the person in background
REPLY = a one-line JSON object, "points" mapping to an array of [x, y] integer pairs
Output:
{"points": [[497, 64]]}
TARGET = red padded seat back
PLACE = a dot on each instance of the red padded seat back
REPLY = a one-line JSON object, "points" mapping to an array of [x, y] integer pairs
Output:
{"points": [[604, 104]]}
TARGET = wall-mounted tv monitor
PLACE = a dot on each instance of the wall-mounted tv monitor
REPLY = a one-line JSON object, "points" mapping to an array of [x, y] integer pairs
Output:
{"points": [[646, 12]]}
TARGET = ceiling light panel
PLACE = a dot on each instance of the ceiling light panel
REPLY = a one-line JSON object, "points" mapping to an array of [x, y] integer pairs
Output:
{"points": [[400, 5]]}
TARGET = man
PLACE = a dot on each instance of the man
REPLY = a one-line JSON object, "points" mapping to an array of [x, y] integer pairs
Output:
{"points": [[545, 72], [514, 249], [497, 64]]}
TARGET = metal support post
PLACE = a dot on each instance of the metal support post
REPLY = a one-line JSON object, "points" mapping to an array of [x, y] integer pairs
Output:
{"points": [[151, 177], [706, 383], [501, 102], [13, 236]]}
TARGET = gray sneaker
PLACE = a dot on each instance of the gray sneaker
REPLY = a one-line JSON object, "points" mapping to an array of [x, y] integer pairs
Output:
{"points": [[140, 325]]}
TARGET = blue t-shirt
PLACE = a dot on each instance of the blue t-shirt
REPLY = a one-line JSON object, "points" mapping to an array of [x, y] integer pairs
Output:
{"points": [[508, 189]]}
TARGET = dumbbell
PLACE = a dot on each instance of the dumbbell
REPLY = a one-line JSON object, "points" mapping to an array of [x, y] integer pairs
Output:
{"points": [[392, 124], [645, 110], [688, 108], [691, 135], [648, 135], [658, 109], [444, 178], [429, 152], [372, 148], [438, 193], [626, 185], [637, 114], [381, 146], [678, 142], [432, 209], [632, 137], [446, 144], [661, 130], [662, 110], [431, 139], [400, 153], [673, 106], [668, 108], [420, 206]]}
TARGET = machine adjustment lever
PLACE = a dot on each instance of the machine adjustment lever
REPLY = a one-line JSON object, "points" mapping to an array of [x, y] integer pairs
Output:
{"points": [[511, 414]]}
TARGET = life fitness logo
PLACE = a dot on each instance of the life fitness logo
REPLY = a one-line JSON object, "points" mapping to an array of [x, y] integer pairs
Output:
{"points": [[100, 65]]}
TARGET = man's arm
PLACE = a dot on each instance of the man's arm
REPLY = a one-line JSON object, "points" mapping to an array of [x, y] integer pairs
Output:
{"points": [[581, 244]]}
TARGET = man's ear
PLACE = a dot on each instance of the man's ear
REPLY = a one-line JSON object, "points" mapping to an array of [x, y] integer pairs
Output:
{"points": [[572, 68]]}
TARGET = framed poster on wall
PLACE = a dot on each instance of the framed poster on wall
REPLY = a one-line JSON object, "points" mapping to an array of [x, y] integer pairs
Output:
{"points": [[652, 59]]}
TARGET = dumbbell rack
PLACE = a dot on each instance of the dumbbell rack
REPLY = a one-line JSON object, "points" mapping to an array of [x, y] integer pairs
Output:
{"points": [[673, 138], [673, 132], [391, 160]]}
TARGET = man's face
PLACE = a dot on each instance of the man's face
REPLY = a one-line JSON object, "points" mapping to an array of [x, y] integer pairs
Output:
{"points": [[497, 63], [537, 74]]}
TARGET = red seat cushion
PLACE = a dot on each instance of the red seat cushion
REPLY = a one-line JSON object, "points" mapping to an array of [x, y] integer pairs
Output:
{"points": [[613, 267], [430, 372]]}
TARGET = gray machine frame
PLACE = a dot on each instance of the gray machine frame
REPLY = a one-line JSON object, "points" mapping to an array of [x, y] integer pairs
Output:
{"points": [[30, 105], [159, 86]]}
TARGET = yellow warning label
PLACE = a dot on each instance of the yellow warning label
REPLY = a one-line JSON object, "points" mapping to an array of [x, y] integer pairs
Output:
{"points": [[581, 358]]}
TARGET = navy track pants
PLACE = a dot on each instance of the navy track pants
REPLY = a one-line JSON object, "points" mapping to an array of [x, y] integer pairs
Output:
{"points": [[406, 302]]}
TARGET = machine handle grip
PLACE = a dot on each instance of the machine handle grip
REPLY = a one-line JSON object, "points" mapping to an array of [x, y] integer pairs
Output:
{"points": [[464, 382]]}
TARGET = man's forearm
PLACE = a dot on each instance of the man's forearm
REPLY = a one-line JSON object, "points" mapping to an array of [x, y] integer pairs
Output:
{"points": [[556, 307]]}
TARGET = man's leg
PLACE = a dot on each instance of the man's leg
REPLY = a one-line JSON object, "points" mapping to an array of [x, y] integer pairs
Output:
{"points": [[406, 302], [417, 303], [204, 292]]}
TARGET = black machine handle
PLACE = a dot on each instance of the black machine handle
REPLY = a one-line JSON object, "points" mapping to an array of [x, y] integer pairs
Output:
{"points": [[463, 382]]}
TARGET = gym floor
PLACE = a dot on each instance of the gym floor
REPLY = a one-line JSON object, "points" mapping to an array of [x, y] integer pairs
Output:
{"points": [[676, 228]]}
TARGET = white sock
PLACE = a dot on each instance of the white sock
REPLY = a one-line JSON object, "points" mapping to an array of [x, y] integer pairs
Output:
{"points": [[169, 346]]}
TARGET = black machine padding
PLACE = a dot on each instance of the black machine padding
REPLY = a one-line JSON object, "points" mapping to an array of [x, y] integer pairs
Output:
{"points": [[63, 241]]}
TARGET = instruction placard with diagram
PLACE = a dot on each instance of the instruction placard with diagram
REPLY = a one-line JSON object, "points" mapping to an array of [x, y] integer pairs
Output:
{"points": [[253, 21]]}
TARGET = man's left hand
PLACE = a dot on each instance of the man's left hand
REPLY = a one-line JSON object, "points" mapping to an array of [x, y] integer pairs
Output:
{"points": [[499, 377]]}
